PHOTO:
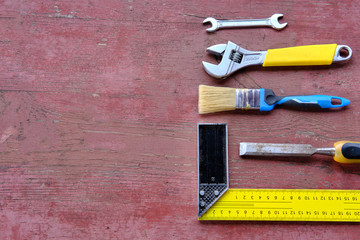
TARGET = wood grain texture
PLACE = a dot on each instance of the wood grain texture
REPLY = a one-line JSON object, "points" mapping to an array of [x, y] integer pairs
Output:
{"points": [[98, 114]]}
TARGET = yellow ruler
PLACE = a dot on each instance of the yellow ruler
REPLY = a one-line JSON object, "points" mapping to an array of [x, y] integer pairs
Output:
{"points": [[286, 205]]}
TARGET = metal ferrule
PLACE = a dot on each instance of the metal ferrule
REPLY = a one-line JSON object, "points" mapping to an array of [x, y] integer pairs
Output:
{"points": [[326, 151], [247, 99]]}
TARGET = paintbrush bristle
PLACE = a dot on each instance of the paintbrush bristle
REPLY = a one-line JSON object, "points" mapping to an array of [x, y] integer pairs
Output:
{"points": [[216, 99]]}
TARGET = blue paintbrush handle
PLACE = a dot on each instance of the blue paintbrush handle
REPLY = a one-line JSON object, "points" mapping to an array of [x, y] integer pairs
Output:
{"points": [[268, 100]]}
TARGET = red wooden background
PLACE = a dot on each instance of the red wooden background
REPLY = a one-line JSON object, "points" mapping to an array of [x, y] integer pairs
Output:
{"points": [[98, 115]]}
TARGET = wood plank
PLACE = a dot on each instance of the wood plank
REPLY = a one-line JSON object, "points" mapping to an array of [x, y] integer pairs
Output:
{"points": [[98, 114]]}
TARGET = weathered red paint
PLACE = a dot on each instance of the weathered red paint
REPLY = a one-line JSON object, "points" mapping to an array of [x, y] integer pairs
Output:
{"points": [[98, 109]]}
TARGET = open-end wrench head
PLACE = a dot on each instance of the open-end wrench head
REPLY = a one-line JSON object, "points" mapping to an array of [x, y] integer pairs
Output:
{"points": [[213, 22], [274, 21]]}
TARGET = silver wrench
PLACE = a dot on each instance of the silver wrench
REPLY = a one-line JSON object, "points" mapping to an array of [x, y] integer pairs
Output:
{"points": [[234, 57], [272, 21]]}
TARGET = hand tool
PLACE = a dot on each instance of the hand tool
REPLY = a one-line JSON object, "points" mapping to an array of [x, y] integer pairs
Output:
{"points": [[286, 205], [217, 202], [217, 99], [212, 163], [272, 21], [343, 151], [234, 57]]}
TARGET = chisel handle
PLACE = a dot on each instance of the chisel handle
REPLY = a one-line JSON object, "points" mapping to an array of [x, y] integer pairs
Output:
{"points": [[347, 152]]}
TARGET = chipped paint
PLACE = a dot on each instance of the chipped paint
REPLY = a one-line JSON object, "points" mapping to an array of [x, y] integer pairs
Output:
{"points": [[7, 133]]}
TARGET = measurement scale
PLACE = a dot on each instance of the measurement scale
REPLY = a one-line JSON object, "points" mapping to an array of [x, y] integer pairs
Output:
{"points": [[218, 202], [286, 205]]}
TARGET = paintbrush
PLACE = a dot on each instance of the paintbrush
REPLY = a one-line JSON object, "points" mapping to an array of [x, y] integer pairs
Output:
{"points": [[218, 99]]}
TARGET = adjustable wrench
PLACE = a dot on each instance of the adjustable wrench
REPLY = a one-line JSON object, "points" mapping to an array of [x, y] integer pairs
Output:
{"points": [[272, 21], [233, 57]]}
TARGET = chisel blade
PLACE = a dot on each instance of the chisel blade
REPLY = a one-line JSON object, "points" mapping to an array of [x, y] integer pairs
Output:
{"points": [[274, 149]]}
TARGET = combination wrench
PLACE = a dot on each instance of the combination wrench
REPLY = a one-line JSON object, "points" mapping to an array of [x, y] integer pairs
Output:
{"points": [[272, 21]]}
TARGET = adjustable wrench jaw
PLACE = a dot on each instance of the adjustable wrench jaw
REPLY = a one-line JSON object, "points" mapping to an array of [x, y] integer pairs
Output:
{"points": [[217, 71], [233, 58]]}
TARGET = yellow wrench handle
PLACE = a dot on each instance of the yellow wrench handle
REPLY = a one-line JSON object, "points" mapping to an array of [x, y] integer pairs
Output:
{"points": [[301, 56]]}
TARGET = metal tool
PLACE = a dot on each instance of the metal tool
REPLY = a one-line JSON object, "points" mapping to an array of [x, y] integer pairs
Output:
{"points": [[234, 57], [212, 163], [343, 151], [218, 202], [272, 21], [286, 205]]}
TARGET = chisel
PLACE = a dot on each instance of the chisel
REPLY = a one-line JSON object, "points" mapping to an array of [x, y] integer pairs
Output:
{"points": [[343, 151], [218, 99]]}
